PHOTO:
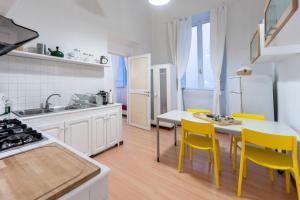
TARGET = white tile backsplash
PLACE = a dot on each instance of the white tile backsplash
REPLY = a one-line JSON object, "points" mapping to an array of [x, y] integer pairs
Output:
{"points": [[28, 82]]}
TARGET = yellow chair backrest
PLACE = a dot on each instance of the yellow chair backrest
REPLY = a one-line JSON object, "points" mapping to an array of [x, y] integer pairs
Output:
{"points": [[270, 140], [249, 116], [198, 128], [192, 110]]}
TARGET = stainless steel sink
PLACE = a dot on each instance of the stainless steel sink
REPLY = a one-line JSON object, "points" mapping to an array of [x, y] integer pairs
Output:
{"points": [[31, 112], [41, 111]]}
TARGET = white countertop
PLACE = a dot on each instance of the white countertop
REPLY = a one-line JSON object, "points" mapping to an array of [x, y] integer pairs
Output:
{"points": [[70, 111], [103, 175]]}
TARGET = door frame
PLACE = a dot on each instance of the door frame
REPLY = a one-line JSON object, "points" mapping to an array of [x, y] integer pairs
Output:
{"points": [[149, 90]]}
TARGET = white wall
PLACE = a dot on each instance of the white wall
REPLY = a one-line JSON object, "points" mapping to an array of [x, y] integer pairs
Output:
{"points": [[164, 14], [243, 19], [28, 82], [85, 24], [288, 73], [95, 26]]}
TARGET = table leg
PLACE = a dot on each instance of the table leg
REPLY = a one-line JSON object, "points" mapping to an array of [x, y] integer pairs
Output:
{"points": [[175, 134], [157, 140]]}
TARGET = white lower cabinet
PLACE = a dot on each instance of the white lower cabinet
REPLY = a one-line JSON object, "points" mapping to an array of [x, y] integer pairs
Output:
{"points": [[106, 131], [78, 134], [112, 136], [89, 132], [56, 130], [99, 133]]}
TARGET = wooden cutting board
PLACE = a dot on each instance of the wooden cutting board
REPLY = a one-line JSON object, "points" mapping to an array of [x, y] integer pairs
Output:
{"points": [[47, 172], [222, 122]]}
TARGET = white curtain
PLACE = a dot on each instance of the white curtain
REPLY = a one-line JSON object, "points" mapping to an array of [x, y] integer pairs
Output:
{"points": [[180, 36], [218, 20]]}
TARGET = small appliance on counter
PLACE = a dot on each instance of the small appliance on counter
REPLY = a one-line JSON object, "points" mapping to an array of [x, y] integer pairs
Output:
{"points": [[56, 53], [103, 60], [105, 96], [83, 100], [13, 35]]}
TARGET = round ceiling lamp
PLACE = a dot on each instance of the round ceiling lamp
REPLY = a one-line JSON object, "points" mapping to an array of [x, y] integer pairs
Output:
{"points": [[159, 2]]}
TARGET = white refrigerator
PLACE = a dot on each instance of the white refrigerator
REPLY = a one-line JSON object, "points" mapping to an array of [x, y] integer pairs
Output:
{"points": [[251, 94]]}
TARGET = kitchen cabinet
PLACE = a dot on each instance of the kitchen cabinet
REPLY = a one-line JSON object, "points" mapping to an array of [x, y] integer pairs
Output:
{"points": [[277, 15], [106, 131], [112, 129], [78, 134], [279, 30], [99, 133], [90, 131], [271, 53], [56, 130], [255, 46]]}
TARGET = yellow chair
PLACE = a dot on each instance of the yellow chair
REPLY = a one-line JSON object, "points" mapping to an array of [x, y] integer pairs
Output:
{"points": [[195, 110], [235, 139], [264, 156], [198, 141]]}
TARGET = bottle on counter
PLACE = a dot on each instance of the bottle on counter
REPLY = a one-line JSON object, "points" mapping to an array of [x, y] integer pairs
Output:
{"points": [[110, 97], [7, 106], [2, 105]]}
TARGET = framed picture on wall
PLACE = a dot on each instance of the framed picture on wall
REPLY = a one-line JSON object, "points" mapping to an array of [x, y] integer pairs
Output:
{"points": [[255, 46], [277, 14]]}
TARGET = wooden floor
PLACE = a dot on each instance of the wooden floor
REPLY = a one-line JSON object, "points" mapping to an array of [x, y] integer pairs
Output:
{"points": [[136, 174]]}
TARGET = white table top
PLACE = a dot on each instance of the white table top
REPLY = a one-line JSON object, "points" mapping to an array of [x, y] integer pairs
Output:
{"points": [[261, 126]]}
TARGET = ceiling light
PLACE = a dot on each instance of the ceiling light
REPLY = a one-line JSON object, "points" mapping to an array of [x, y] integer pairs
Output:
{"points": [[159, 2]]}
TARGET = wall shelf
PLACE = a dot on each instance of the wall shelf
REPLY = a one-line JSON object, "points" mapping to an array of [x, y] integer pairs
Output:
{"points": [[54, 59]]}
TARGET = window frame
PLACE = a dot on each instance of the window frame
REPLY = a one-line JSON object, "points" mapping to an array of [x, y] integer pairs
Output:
{"points": [[198, 21]]}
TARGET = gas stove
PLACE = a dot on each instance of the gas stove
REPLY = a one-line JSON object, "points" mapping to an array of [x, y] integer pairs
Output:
{"points": [[13, 133]]}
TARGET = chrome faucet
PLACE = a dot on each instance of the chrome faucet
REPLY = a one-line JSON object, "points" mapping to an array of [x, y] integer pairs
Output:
{"points": [[47, 104]]}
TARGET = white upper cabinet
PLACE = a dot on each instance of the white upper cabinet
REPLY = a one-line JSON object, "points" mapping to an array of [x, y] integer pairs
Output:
{"points": [[273, 53], [278, 33], [280, 15]]}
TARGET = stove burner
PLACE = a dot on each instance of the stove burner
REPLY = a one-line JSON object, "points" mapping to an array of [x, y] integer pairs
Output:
{"points": [[13, 133]]}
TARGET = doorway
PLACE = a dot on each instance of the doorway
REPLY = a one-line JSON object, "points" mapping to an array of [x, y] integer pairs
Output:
{"points": [[119, 64]]}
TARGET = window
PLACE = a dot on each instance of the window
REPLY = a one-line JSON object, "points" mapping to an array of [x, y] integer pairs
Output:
{"points": [[199, 74], [208, 79]]}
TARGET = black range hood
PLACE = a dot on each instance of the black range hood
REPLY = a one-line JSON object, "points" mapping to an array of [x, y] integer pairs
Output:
{"points": [[13, 35]]}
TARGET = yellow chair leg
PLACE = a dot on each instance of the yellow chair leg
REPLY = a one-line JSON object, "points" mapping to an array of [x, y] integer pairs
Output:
{"points": [[245, 169], [271, 174], [297, 179], [216, 168], [288, 181], [182, 149], [209, 156], [219, 158], [243, 161], [230, 150], [191, 153], [234, 155]]}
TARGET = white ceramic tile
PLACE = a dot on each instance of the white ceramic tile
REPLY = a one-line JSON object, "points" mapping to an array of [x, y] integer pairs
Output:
{"points": [[28, 82]]}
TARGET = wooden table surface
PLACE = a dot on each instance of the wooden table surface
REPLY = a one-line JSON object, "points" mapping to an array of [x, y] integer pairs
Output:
{"points": [[47, 172]]}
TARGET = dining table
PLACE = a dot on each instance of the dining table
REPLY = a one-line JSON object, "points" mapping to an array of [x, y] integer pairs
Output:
{"points": [[176, 116]]}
